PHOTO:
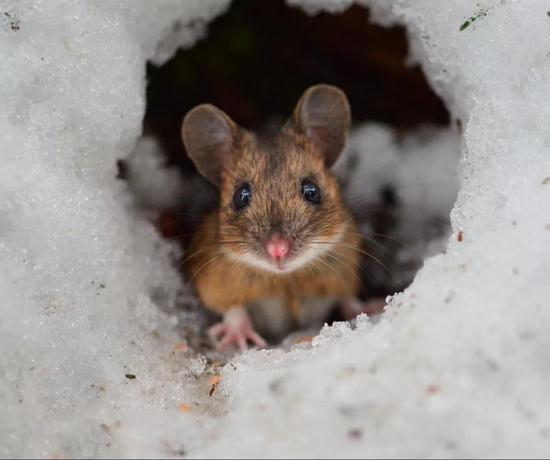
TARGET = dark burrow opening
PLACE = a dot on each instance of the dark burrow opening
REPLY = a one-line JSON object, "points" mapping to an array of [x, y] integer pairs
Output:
{"points": [[254, 63]]}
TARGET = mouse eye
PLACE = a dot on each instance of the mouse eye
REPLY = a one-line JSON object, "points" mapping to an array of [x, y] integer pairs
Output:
{"points": [[242, 197], [311, 192]]}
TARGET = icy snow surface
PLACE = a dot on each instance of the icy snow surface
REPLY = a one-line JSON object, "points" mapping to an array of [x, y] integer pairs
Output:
{"points": [[458, 366]]}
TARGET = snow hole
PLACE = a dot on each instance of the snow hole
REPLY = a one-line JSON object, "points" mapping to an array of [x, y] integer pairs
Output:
{"points": [[398, 172], [93, 310]]}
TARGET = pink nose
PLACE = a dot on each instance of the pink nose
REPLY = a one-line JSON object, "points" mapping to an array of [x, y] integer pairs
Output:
{"points": [[278, 247]]}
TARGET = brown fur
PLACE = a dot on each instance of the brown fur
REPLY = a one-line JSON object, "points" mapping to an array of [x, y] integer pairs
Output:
{"points": [[223, 283], [275, 170]]}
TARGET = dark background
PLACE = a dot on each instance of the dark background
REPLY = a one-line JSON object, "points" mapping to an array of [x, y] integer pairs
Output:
{"points": [[260, 56]]}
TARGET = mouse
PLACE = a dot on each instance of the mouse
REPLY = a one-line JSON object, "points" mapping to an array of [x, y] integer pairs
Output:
{"points": [[281, 230]]}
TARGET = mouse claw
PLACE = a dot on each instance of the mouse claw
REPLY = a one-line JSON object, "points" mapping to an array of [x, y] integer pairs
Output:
{"points": [[257, 339], [215, 331], [235, 330]]}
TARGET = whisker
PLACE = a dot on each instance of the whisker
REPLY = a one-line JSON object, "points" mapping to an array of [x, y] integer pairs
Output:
{"points": [[346, 266], [372, 240], [363, 269], [204, 265], [391, 238], [331, 268], [349, 246], [190, 256], [237, 242]]}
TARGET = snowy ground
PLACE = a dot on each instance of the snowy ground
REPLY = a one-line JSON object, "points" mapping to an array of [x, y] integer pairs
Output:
{"points": [[92, 364]]}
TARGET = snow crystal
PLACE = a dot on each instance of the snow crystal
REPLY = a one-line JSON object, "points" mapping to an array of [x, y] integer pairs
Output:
{"points": [[92, 364]]}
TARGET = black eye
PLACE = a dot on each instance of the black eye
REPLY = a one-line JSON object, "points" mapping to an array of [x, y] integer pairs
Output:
{"points": [[311, 192], [242, 197]]}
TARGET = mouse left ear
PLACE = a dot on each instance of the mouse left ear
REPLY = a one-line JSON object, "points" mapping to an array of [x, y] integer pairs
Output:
{"points": [[324, 116], [209, 137]]}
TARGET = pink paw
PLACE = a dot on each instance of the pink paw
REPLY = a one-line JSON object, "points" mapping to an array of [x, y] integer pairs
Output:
{"points": [[235, 330]]}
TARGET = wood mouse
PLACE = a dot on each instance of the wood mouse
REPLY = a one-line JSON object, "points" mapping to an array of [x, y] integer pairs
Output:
{"points": [[281, 230]]}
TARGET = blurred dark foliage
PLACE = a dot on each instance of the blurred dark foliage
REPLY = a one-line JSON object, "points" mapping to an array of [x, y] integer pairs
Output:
{"points": [[260, 56]]}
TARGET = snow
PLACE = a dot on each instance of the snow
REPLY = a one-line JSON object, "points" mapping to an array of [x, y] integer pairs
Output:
{"points": [[152, 183], [83, 273], [457, 366], [421, 170]]}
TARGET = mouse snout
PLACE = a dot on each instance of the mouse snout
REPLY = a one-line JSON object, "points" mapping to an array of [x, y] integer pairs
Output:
{"points": [[278, 247]]}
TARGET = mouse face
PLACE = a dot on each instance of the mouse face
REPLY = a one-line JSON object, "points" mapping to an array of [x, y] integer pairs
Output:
{"points": [[280, 206]]}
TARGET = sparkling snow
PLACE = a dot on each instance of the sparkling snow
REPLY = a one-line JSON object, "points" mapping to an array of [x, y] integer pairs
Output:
{"points": [[92, 361]]}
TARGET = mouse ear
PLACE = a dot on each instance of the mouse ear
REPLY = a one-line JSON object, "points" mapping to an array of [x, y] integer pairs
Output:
{"points": [[324, 116], [208, 135]]}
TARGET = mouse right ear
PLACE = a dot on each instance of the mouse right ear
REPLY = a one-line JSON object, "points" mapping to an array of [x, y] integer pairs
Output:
{"points": [[323, 115], [208, 135]]}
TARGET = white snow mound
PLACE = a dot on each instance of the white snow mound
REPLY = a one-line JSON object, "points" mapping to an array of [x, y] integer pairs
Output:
{"points": [[82, 276], [458, 365]]}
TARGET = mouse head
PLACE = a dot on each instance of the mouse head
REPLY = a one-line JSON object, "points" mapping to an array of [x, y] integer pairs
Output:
{"points": [[280, 207]]}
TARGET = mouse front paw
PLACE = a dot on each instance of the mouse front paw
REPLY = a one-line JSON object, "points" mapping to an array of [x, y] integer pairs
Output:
{"points": [[235, 330]]}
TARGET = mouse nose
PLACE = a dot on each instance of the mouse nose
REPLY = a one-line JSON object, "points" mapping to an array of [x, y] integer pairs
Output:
{"points": [[278, 247]]}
